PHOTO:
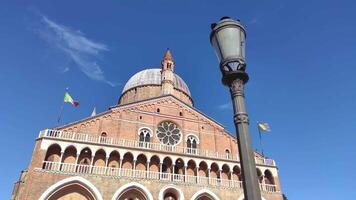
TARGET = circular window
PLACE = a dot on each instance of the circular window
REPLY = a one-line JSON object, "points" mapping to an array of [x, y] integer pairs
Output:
{"points": [[168, 133]]}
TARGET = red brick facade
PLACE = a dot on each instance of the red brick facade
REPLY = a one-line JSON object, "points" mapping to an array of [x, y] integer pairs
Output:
{"points": [[123, 154]]}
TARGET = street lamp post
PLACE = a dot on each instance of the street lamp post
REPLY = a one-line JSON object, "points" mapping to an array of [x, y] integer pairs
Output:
{"points": [[228, 39]]}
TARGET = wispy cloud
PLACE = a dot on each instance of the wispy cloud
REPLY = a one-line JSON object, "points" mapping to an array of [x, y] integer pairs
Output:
{"points": [[225, 106], [66, 69], [253, 21], [83, 51]]}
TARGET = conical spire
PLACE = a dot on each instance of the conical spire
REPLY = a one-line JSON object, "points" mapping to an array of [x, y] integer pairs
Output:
{"points": [[93, 113], [168, 55]]}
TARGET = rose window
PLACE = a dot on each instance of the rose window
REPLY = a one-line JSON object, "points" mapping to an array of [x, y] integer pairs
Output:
{"points": [[168, 133]]}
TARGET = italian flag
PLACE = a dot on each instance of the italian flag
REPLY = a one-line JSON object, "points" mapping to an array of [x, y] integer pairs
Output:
{"points": [[69, 99]]}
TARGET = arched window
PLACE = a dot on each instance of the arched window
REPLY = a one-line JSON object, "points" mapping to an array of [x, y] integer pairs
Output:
{"points": [[192, 144], [144, 137], [227, 153], [103, 138]]}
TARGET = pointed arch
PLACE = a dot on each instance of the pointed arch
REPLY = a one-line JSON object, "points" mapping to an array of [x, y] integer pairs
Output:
{"points": [[77, 180], [171, 189], [242, 197], [132, 185], [205, 192]]}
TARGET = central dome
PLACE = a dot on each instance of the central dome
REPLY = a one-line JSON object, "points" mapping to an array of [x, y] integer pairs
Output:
{"points": [[156, 82], [153, 77]]}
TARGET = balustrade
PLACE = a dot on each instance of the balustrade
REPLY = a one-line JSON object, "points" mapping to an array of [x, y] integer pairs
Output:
{"points": [[141, 174]]}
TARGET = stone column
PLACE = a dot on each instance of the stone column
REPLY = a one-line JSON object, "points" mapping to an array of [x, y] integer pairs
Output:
{"points": [[230, 178], [106, 165], [120, 167], [91, 163], [60, 161], [197, 174], [147, 169], [77, 159], [185, 173], [134, 165], [220, 178], [107, 162], [76, 163], [208, 175], [160, 170], [172, 177]]}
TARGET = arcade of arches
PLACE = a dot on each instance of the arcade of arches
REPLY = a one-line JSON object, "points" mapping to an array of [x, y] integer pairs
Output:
{"points": [[127, 161]]}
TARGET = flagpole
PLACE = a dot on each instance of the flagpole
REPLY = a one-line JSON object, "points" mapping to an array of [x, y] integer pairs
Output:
{"points": [[61, 109], [60, 114], [259, 133]]}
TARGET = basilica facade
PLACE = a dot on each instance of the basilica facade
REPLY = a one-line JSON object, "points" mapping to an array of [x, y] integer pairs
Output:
{"points": [[153, 145]]}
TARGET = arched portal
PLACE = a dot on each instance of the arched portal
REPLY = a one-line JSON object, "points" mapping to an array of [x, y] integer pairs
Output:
{"points": [[72, 191], [72, 188], [205, 194], [132, 191], [243, 198], [170, 192]]}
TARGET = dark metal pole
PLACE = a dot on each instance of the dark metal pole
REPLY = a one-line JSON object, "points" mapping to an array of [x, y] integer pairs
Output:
{"points": [[247, 157]]}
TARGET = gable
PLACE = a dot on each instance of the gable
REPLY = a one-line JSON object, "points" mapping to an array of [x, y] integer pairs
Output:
{"points": [[171, 107], [124, 121]]}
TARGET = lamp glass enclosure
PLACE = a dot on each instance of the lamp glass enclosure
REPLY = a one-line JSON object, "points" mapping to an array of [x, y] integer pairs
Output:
{"points": [[228, 40]]}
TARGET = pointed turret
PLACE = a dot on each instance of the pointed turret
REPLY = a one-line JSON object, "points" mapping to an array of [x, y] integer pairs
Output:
{"points": [[167, 62], [168, 55], [93, 113], [167, 73]]}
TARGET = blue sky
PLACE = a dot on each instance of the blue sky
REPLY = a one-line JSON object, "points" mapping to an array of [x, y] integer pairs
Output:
{"points": [[300, 58]]}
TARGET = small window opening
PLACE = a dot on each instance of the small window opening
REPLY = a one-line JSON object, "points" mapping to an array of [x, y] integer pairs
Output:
{"points": [[103, 138], [180, 114], [158, 110]]}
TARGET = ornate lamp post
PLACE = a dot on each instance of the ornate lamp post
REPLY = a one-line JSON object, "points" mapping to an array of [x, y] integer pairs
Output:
{"points": [[228, 39]]}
